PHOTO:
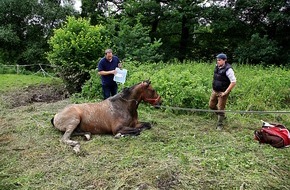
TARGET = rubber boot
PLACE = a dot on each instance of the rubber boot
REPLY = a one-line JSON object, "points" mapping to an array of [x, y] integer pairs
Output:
{"points": [[220, 122]]}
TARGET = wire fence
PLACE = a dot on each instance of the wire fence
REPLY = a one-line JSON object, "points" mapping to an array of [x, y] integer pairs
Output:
{"points": [[18, 68]]}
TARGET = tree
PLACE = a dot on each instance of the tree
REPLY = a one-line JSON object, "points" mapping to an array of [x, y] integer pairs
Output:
{"points": [[271, 20], [99, 10], [200, 29], [173, 22], [237, 26], [130, 36], [131, 40], [75, 50], [25, 27], [258, 50]]}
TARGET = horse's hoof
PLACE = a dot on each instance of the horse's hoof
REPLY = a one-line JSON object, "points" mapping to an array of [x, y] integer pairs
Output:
{"points": [[88, 137], [76, 148], [118, 135], [70, 142]]}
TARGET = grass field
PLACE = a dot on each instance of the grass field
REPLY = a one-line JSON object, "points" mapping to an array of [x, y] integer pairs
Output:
{"points": [[13, 81], [180, 152]]}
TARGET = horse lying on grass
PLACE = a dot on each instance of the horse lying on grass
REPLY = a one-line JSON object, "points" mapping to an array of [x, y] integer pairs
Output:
{"points": [[116, 115]]}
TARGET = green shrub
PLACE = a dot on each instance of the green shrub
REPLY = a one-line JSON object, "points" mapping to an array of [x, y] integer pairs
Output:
{"points": [[261, 88], [189, 85], [76, 49], [92, 89], [180, 85], [4, 69]]}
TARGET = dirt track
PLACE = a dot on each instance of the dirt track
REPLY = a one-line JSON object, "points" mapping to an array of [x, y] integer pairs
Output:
{"points": [[30, 94]]}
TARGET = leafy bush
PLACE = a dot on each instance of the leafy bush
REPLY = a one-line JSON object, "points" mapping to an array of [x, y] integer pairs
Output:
{"points": [[92, 89], [189, 84], [75, 50], [4, 69], [261, 88], [180, 85]]}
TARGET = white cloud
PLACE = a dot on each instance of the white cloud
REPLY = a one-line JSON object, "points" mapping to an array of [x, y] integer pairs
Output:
{"points": [[77, 5]]}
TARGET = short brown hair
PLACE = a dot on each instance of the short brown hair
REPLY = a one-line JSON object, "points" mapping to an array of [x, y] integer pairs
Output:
{"points": [[108, 51]]}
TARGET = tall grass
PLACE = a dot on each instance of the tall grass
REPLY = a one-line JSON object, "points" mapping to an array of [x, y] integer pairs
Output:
{"points": [[181, 151]]}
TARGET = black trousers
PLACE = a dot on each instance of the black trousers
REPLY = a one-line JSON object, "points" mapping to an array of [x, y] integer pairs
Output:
{"points": [[109, 90]]}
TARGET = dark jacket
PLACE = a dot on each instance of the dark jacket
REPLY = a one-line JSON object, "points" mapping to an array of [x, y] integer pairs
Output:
{"points": [[220, 80]]}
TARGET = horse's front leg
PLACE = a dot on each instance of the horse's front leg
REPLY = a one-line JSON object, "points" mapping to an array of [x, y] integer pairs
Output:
{"points": [[122, 131], [143, 125]]}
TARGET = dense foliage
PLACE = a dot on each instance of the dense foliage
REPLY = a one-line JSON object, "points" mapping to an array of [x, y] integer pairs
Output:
{"points": [[76, 48], [25, 27], [201, 29], [189, 84], [132, 41], [155, 30]]}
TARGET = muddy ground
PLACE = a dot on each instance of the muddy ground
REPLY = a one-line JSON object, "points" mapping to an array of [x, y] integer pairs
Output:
{"points": [[39, 93]]}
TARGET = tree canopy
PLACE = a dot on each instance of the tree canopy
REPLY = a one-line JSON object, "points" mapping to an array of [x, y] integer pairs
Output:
{"points": [[26, 26], [249, 32]]}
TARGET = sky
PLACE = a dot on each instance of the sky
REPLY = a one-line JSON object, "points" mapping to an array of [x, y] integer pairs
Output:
{"points": [[77, 5]]}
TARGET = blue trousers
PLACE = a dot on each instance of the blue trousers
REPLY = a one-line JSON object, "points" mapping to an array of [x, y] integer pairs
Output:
{"points": [[109, 90]]}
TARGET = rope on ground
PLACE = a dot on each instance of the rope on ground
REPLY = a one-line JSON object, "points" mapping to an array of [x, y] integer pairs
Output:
{"points": [[229, 111]]}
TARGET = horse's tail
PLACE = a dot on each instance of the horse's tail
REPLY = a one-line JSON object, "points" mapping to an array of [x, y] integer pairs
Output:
{"points": [[52, 121]]}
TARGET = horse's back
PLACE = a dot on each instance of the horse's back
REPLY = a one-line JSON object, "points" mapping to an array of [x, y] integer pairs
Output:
{"points": [[88, 117], [97, 118]]}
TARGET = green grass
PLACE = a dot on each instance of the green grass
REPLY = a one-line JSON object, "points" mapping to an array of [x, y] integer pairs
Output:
{"points": [[14, 81], [180, 152]]}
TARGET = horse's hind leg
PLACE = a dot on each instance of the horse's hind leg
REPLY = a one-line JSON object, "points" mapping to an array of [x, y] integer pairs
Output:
{"points": [[66, 139]]}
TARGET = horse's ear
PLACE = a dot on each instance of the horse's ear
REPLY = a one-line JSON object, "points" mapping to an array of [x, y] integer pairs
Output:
{"points": [[148, 81]]}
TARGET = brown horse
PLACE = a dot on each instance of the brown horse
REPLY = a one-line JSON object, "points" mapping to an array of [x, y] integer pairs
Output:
{"points": [[116, 115]]}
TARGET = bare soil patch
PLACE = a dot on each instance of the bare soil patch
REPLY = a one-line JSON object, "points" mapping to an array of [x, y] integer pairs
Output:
{"points": [[38, 93]]}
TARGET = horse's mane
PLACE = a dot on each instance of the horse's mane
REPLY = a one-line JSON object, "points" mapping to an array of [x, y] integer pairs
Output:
{"points": [[125, 93]]}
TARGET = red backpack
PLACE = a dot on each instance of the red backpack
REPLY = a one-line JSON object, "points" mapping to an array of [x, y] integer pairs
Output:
{"points": [[276, 135]]}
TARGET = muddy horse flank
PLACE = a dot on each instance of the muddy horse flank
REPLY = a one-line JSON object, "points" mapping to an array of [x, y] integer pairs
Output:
{"points": [[116, 115]]}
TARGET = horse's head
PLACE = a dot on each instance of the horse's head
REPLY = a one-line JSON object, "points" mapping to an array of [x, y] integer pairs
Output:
{"points": [[150, 95]]}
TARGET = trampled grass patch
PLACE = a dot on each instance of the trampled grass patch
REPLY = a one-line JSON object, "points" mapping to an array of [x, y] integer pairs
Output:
{"points": [[182, 151]]}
